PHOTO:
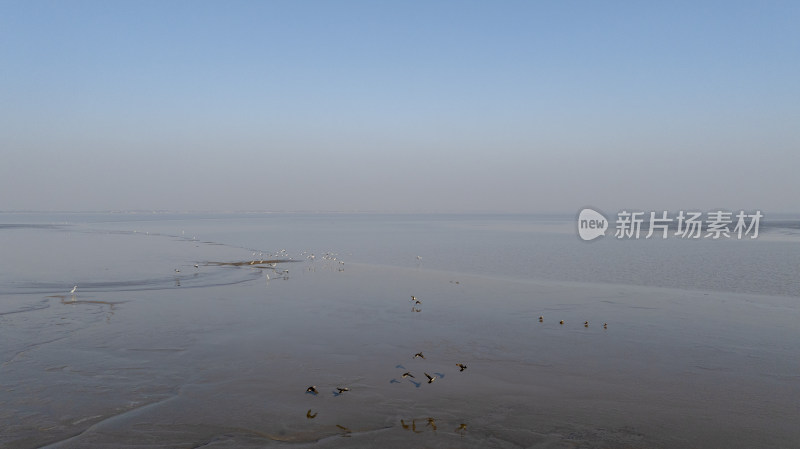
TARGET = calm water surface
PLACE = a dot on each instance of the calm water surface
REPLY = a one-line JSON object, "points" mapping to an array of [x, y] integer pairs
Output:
{"points": [[515, 246]]}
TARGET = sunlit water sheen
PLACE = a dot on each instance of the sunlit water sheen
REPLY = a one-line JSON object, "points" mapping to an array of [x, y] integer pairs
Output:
{"points": [[700, 349]]}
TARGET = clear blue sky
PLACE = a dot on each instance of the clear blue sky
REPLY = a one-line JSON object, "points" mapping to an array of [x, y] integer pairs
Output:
{"points": [[454, 106]]}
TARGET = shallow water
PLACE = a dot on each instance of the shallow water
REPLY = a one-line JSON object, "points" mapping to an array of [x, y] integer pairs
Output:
{"points": [[221, 355]]}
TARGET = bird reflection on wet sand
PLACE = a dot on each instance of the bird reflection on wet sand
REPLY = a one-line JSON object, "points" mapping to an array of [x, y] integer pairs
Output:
{"points": [[429, 422], [344, 429], [432, 423]]}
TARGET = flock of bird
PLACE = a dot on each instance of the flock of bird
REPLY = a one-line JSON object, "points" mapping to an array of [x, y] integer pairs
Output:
{"points": [[585, 323], [263, 259], [339, 390], [314, 390]]}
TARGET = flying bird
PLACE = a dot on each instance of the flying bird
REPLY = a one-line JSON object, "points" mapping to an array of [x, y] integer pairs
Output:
{"points": [[461, 366], [419, 354], [342, 390], [430, 378], [312, 389], [407, 375], [309, 415]]}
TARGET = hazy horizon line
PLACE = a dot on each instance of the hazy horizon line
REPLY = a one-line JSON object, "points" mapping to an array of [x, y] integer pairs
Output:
{"points": [[571, 213]]}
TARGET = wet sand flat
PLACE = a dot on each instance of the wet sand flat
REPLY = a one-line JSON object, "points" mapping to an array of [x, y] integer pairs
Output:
{"points": [[227, 364]]}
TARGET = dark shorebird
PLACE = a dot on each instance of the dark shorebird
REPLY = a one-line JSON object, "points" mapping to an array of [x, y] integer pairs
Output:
{"points": [[430, 378], [177, 270], [419, 354], [561, 322], [605, 325], [312, 389], [541, 319], [407, 375], [585, 324], [461, 366], [342, 390]]}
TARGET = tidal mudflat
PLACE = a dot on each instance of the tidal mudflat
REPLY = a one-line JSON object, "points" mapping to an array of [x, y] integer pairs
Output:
{"points": [[153, 351]]}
